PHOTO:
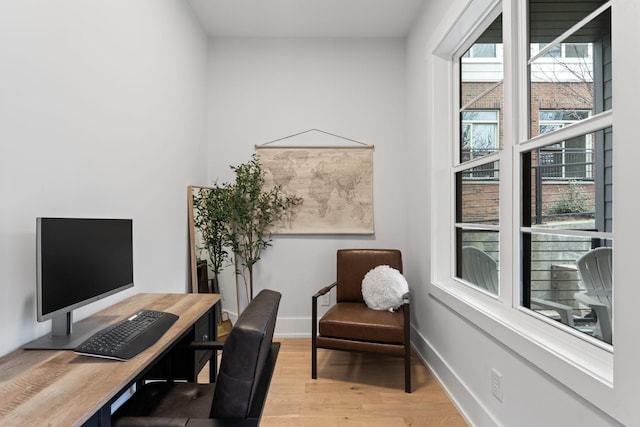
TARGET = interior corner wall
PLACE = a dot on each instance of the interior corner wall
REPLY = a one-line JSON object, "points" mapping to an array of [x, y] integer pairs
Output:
{"points": [[102, 114], [265, 89]]}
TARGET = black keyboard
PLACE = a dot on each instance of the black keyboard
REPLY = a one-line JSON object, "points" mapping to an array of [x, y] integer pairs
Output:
{"points": [[130, 336]]}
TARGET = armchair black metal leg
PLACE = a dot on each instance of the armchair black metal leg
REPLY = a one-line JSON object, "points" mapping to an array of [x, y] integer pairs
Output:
{"points": [[314, 361], [314, 334], [407, 372], [407, 347]]}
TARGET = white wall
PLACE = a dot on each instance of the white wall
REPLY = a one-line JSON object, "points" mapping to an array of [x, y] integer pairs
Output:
{"points": [[264, 89], [102, 114], [462, 350]]}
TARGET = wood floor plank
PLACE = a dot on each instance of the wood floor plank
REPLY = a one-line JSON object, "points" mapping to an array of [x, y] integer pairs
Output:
{"points": [[353, 390]]}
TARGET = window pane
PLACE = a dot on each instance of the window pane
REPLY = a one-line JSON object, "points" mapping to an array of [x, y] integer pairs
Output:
{"points": [[481, 97], [565, 116], [571, 183], [479, 194], [559, 287], [479, 138], [546, 128], [478, 116], [553, 52], [576, 50], [484, 50], [575, 74]]}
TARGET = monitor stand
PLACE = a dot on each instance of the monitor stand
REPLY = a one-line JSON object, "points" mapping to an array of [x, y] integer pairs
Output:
{"points": [[65, 335]]}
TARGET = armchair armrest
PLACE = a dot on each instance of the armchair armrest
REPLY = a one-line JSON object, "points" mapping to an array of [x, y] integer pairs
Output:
{"points": [[324, 290], [314, 307], [314, 321], [406, 298]]}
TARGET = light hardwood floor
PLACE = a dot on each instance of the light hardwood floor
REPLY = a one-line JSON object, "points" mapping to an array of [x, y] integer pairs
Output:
{"points": [[353, 389]]}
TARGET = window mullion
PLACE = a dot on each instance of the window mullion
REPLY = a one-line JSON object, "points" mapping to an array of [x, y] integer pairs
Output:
{"points": [[509, 284]]}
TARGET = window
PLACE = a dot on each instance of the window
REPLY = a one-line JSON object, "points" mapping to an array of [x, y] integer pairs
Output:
{"points": [[563, 50], [551, 156], [566, 172], [481, 50], [479, 133], [477, 170], [576, 50]]}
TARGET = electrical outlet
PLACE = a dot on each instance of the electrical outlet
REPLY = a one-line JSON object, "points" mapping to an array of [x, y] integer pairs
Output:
{"points": [[325, 300], [496, 384]]}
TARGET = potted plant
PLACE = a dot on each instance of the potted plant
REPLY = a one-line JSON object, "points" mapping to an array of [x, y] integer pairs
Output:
{"points": [[211, 217], [253, 211], [240, 216]]}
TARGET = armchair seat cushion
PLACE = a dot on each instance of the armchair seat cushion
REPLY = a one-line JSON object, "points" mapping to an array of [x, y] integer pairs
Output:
{"points": [[356, 321]]}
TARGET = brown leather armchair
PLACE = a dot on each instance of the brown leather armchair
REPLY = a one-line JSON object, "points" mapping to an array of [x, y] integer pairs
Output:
{"points": [[350, 325]]}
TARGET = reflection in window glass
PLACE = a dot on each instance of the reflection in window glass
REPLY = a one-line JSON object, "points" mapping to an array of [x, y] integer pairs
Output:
{"points": [[553, 52], [571, 184], [573, 74], [479, 134], [567, 183], [479, 194], [569, 159], [481, 95], [484, 50], [576, 50], [565, 117], [478, 188]]}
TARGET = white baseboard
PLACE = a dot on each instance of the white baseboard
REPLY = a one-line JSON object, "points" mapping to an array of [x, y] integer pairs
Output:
{"points": [[467, 403]]}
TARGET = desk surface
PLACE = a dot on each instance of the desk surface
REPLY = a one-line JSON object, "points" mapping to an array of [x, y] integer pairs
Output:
{"points": [[61, 388]]}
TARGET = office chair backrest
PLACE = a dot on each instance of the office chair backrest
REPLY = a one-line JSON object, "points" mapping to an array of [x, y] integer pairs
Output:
{"points": [[243, 357], [353, 264]]}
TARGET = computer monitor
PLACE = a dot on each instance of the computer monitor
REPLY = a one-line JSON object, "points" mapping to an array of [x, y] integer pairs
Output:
{"points": [[79, 261]]}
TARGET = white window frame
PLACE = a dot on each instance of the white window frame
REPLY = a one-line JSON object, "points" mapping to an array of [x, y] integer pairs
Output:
{"points": [[582, 364]]}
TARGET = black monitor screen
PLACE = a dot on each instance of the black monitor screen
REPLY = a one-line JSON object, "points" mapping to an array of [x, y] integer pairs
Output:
{"points": [[80, 261]]}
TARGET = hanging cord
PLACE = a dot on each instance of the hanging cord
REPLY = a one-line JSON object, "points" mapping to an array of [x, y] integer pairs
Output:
{"points": [[311, 130]]}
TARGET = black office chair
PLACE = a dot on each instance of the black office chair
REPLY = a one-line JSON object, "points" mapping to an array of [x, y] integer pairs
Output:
{"points": [[239, 393]]}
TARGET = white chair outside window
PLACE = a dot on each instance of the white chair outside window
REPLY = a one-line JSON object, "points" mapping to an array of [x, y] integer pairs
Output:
{"points": [[595, 270], [481, 269]]}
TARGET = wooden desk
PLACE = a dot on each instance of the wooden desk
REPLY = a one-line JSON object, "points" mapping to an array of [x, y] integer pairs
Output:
{"points": [[60, 388]]}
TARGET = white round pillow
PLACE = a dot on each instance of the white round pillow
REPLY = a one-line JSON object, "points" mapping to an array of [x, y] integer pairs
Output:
{"points": [[383, 288]]}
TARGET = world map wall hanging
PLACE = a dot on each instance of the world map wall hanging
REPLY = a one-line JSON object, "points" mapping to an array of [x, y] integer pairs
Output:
{"points": [[335, 184]]}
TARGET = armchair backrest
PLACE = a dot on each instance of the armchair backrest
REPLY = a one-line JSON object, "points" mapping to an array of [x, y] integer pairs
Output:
{"points": [[352, 266], [243, 357]]}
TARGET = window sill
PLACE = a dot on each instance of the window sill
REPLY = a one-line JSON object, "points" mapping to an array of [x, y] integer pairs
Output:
{"points": [[583, 366]]}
